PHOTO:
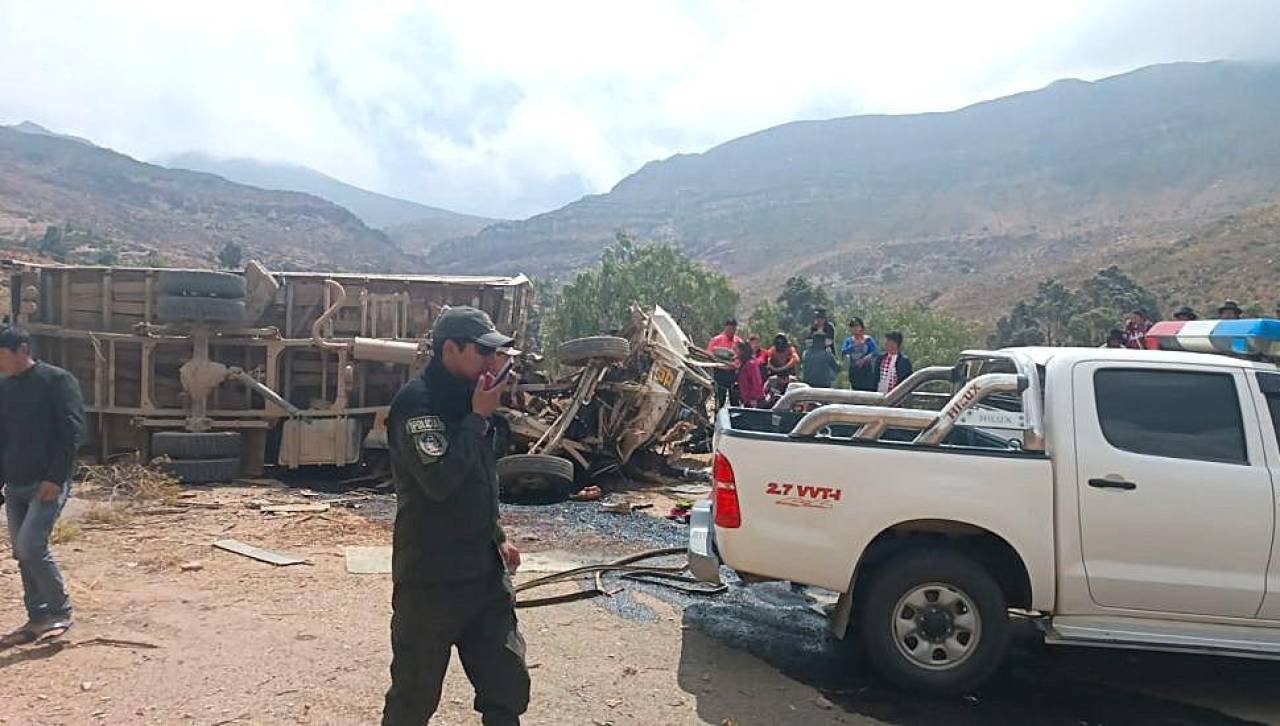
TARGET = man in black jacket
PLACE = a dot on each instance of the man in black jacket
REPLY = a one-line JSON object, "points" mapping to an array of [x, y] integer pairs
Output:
{"points": [[450, 557], [41, 425], [892, 366]]}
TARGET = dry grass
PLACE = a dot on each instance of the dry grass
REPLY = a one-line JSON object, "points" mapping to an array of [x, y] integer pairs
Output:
{"points": [[63, 532], [134, 481], [111, 514]]}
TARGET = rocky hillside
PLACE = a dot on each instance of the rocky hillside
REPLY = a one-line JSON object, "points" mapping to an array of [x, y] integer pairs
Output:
{"points": [[940, 204], [183, 216], [415, 227]]}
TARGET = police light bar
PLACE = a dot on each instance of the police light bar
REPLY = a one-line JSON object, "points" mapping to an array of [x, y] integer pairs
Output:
{"points": [[1253, 337]]}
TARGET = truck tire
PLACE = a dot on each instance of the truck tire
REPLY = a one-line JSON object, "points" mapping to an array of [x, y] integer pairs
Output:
{"points": [[204, 445], [581, 351], [201, 283], [538, 474], [182, 309], [204, 471], [934, 623]]}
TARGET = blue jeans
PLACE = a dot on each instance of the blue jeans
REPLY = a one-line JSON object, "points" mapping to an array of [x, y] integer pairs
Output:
{"points": [[30, 524]]}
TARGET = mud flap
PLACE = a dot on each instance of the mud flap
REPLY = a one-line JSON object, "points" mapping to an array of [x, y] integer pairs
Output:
{"points": [[839, 620]]}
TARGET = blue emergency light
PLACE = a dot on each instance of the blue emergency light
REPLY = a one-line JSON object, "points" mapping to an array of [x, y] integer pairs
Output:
{"points": [[1252, 337]]}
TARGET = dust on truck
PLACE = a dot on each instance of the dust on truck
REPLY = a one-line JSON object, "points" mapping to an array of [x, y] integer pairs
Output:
{"points": [[228, 373]]}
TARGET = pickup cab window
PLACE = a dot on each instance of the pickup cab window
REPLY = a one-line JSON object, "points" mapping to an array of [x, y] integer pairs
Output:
{"points": [[1174, 414], [1270, 385]]}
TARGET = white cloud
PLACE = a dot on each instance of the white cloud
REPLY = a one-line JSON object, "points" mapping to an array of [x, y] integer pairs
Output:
{"points": [[513, 108]]}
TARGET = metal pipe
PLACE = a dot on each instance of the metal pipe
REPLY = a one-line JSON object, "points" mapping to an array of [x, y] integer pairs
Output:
{"points": [[797, 396], [317, 328], [794, 397], [966, 398], [880, 416], [264, 391], [1033, 438], [917, 380]]}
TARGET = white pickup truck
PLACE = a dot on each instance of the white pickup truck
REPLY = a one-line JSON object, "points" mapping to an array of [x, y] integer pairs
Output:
{"points": [[1121, 498]]}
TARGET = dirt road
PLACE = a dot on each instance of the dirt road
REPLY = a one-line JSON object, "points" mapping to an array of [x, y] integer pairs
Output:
{"points": [[171, 631], [229, 640]]}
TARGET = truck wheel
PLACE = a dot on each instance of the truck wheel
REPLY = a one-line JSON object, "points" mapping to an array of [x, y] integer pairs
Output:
{"points": [[581, 351], [538, 474], [204, 445], [201, 283], [933, 622], [182, 309], [204, 471]]}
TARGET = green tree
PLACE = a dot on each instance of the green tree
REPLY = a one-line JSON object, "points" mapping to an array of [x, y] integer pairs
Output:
{"points": [[107, 256], [1058, 315], [797, 302], [153, 259], [54, 243], [930, 336], [598, 300], [231, 256]]}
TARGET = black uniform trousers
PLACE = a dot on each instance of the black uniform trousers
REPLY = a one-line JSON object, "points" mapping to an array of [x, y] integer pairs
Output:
{"points": [[478, 616]]}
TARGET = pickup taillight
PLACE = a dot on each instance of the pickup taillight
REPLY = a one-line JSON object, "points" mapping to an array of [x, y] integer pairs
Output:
{"points": [[728, 514]]}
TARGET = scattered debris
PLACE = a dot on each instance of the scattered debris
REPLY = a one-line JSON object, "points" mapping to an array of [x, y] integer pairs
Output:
{"points": [[193, 566], [588, 494], [257, 553], [691, 490], [824, 704], [616, 507], [619, 399], [368, 560], [295, 508]]}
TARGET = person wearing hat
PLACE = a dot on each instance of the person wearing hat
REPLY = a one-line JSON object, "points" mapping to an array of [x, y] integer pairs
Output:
{"points": [[822, 326], [1185, 313], [450, 559], [1230, 310]]}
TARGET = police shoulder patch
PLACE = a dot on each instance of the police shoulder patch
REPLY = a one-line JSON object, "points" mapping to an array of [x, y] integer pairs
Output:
{"points": [[431, 444], [423, 425]]}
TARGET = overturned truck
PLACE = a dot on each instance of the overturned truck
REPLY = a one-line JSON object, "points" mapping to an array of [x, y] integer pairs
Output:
{"points": [[645, 389], [227, 373]]}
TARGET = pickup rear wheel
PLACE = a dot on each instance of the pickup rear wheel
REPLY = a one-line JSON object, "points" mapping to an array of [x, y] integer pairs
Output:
{"points": [[933, 622]]}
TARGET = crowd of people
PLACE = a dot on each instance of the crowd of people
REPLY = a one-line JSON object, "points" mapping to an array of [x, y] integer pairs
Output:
{"points": [[1134, 333], [754, 376]]}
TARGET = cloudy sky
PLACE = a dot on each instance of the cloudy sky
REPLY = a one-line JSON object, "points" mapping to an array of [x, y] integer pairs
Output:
{"points": [[510, 109]]}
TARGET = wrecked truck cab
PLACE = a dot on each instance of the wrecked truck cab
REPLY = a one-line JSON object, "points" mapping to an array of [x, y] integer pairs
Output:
{"points": [[642, 390]]}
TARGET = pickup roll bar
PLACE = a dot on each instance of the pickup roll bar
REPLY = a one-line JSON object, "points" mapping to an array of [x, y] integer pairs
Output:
{"points": [[874, 419], [932, 425], [797, 396], [965, 398]]}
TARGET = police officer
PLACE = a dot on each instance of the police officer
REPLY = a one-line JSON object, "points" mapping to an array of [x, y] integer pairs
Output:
{"points": [[450, 558]]}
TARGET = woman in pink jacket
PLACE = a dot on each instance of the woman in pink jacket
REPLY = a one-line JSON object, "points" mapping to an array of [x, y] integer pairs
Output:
{"points": [[750, 381]]}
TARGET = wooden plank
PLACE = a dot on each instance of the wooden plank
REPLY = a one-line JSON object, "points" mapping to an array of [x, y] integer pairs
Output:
{"points": [[295, 508], [240, 548]]}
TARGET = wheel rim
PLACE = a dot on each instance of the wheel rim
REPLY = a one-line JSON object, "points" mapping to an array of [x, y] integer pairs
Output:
{"points": [[936, 626]]}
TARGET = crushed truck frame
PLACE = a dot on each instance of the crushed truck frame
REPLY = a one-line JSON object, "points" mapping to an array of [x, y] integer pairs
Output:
{"points": [[228, 373]]}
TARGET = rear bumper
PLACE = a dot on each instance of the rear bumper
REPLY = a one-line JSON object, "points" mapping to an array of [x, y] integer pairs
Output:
{"points": [[704, 563]]}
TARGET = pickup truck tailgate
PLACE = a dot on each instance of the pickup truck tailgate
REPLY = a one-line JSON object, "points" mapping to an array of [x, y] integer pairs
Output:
{"points": [[809, 507]]}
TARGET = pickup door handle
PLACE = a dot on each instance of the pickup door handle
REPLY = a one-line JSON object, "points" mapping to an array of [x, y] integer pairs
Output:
{"points": [[1112, 484]]}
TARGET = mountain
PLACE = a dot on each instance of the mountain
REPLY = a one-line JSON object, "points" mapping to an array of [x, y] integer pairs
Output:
{"points": [[184, 216], [35, 129], [416, 226], [934, 204]]}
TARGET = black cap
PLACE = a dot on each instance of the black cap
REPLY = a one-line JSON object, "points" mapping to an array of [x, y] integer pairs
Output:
{"points": [[1185, 312], [1230, 305], [468, 323]]}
